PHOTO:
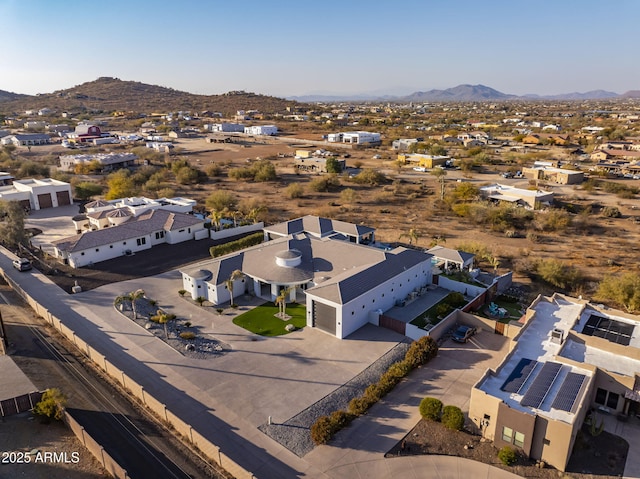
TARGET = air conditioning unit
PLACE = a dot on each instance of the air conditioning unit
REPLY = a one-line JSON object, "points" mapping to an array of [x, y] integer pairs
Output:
{"points": [[557, 336]]}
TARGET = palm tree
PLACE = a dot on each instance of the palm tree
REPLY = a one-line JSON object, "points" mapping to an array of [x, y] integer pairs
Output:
{"points": [[281, 301], [494, 262], [254, 213], [440, 173], [216, 216], [413, 235], [235, 275], [134, 296]]}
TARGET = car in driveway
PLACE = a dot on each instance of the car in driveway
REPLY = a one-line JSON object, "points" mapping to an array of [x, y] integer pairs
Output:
{"points": [[463, 333], [22, 264]]}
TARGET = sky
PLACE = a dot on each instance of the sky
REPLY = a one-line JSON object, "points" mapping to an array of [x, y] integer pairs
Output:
{"points": [[297, 47]]}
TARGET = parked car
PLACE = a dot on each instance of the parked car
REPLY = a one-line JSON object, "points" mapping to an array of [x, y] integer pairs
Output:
{"points": [[463, 333], [422, 169], [22, 264], [507, 174]]}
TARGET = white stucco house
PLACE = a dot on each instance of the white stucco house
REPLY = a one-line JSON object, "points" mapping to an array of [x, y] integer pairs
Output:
{"points": [[270, 130], [106, 160], [344, 282], [125, 232], [34, 194], [531, 199]]}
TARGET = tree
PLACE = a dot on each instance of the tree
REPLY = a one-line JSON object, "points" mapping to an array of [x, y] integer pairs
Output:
{"points": [[132, 297], [281, 301], [163, 318], [51, 405], [294, 190], [120, 184], [413, 235], [200, 300], [87, 189], [12, 217], [440, 174], [333, 165], [622, 289], [348, 195], [221, 200], [235, 275]]}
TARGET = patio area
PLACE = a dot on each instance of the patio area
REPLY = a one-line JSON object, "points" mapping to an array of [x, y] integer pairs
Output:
{"points": [[421, 304]]}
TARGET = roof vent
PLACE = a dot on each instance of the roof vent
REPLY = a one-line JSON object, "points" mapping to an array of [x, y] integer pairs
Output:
{"points": [[557, 336]]}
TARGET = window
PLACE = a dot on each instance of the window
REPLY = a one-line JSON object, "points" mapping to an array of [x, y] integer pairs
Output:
{"points": [[97, 249], [159, 234], [507, 434], [82, 254], [518, 439], [141, 241], [181, 231], [601, 396], [612, 400], [110, 246]]}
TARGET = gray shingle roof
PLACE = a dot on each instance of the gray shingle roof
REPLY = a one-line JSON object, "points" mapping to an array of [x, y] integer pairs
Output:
{"points": [[318, 226], [147, 223], [451, 254]]}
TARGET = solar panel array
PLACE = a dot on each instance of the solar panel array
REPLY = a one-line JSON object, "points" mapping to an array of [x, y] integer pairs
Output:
{"points": [[609, 329], [519, 375], [541, 384], [568, 392]]}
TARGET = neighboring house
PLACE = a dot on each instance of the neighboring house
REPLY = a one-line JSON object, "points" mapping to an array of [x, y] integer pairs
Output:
{"points": [[224, 127], [106, 160], [103, 214], [533, 199], [128, 235], [269, 130], [316, 164], [355, 137], [616, 153], [26, 139], [427, 161], [532, 140], [85, 133], [345, 283], [452, 258], [570, 357], [58, 128], [6, 178], [403, 144], [555, 175], [34, 125], [37, 194]]}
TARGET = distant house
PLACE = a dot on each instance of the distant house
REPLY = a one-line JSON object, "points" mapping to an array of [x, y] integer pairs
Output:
{"points": [[224, 127], [269, 130], [355, 137], [58, 128], [26, 139], [427, 161], [35, 194], [85, 133], [532, 140], [532, 199], [34, 125], [555, 175], [316, 164], [106, 160], [403, 144]]}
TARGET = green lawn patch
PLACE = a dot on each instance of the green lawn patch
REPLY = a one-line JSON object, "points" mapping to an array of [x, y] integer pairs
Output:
{"points": [[514, 309], [261, 320]]}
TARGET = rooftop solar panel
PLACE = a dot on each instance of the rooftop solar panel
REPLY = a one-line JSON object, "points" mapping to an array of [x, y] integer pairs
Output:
{"points": [[519, 375], [539, 389], [609, 329], [568, 392]]}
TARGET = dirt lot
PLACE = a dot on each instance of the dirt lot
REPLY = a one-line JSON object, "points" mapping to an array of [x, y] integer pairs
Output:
{"points": [[603, 456], [22, 434]]}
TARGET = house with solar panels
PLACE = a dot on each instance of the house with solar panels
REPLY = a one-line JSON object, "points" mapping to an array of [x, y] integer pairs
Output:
{"points": [[571, 359], [332, 266]]}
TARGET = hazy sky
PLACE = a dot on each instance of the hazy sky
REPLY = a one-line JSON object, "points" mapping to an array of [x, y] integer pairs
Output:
{"points": [[286, 48]]}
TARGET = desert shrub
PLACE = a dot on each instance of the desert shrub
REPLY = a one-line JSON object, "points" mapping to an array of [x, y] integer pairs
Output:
{"points": [[507, 455], [611, 212], [557, 273], [321, 430], [231, 246], [369, 177], [386, 383], [533, 237], [553, 220], [294, 190], [221, 200], [348, 195], [213, 169], [340, 419], [262, 170], [324, 183], [51, 405], [373, 393], [188, 335], [421, 351], [431, 408], [452, 418]]}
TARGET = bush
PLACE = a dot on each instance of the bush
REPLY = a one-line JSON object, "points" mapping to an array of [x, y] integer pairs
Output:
{"points": [[231, 246], [321, 430], [611, 212], [399, 369], [294, 190], [507, 455], [324, 183], [421, 351], [452, 418], [360, 405], [431, 408], [51, 405], [188, 335]]}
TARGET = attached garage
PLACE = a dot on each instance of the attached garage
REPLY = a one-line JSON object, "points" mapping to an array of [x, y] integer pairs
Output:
{"points": [[45, 200], [26, 204], [63, 198], [324, 317]]}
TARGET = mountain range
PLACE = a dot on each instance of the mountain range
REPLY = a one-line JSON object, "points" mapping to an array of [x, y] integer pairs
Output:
{"points": [[111, 94], [467, 93]]}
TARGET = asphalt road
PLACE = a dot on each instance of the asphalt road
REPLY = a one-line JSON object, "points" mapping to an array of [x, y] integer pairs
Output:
{"points": [[144, 448]]}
